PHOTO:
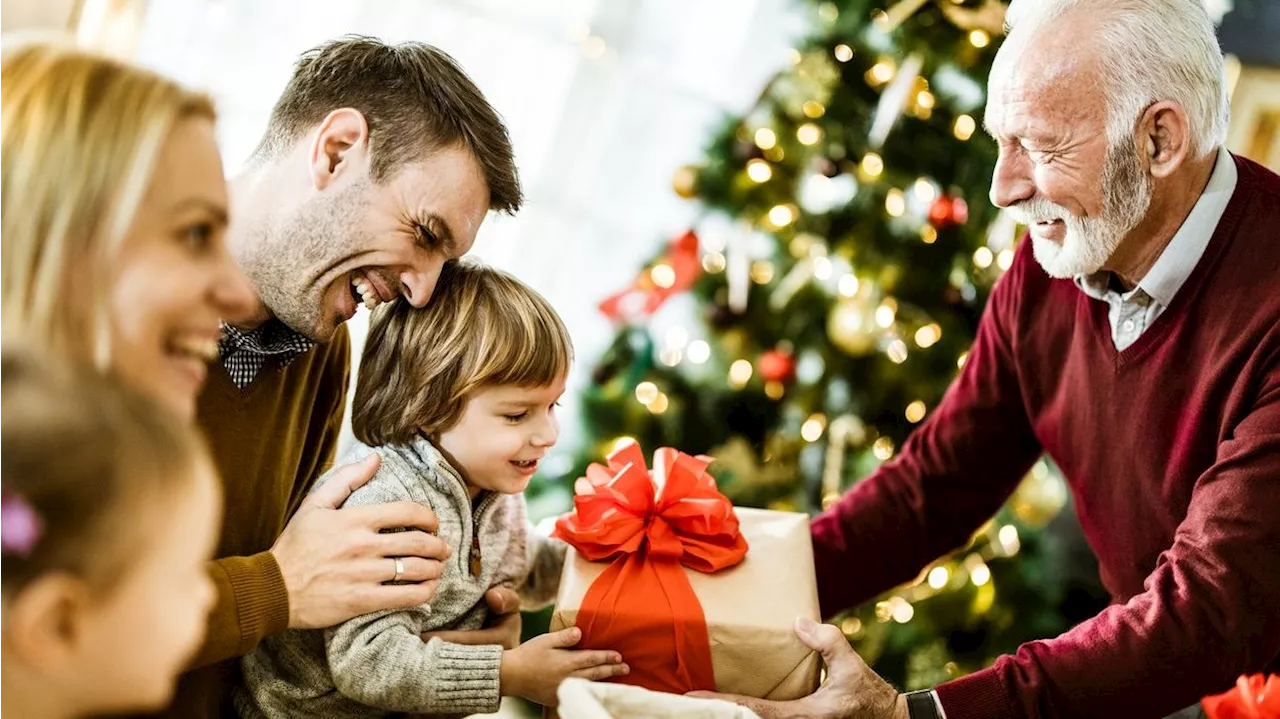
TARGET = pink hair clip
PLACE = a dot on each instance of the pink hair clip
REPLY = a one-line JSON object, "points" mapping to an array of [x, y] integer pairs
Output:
{"points": [[20, 525]]}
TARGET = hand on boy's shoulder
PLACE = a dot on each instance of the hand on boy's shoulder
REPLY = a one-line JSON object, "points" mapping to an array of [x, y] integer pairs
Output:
{"points": [[336, 560], [392, 482]]}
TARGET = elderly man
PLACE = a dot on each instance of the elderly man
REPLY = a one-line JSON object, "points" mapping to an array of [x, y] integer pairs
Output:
{"points": [[1136, 340]]}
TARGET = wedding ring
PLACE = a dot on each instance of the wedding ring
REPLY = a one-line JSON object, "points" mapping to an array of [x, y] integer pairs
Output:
{"points": [[399, 568]]}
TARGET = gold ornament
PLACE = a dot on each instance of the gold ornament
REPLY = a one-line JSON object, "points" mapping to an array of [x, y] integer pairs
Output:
{"points": [[988, 17], [685, 182], [852, 326], [813, 80]]}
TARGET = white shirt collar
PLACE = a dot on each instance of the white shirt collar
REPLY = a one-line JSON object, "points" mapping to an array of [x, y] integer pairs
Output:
{"points": [[1180, 256]]}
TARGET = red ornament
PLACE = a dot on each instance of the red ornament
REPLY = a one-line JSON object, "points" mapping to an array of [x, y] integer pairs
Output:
{"points": [[948, 211], [777, 366]]}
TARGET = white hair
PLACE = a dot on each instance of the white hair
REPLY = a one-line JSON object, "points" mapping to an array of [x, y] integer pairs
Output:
{"points": [[1152, 50]]}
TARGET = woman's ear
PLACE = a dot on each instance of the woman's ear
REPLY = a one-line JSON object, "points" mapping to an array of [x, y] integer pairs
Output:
{"points": [[340, 147], [1164, 138], [44, 623]]}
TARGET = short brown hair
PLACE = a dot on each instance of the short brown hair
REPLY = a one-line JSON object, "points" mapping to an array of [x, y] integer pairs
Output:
{"points": [[85, 456], [481, 328], [415, 99]]}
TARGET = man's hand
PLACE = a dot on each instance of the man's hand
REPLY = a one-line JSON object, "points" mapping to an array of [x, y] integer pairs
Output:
{"points": [[852, 690], [336, 562], [535, 669], [502, 627]]}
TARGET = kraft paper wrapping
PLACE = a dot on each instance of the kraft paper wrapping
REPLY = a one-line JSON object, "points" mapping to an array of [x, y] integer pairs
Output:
{"points": [[750, 608]]}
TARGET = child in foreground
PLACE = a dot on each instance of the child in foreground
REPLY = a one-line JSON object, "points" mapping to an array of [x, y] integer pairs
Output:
{"points": [[110, 513], [459, 399]]}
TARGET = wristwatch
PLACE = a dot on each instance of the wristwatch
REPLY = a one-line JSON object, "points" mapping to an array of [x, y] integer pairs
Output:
{"points": [[924, 705]]}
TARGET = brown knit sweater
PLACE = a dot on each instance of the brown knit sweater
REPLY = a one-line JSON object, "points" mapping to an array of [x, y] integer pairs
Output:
{"points": [[271, 441]]}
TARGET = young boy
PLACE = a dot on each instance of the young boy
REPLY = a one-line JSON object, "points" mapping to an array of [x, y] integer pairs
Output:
{"points": [[459, 398]]}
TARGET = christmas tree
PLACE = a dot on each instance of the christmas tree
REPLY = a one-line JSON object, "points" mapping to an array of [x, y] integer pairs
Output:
{"points": [[840, 272]]}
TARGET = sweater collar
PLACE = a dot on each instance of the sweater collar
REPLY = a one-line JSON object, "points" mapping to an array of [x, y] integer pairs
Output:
{"points": [[447, 477]]}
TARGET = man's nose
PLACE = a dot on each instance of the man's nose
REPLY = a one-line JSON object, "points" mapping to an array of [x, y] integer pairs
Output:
{"points": [[418, 284], [1011, 182]]}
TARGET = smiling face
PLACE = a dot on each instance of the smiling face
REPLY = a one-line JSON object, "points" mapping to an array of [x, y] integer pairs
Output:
{"points": [[504, 431], [1079, 195], [108, 602], [174, 278], [139, 640], [359, 242]]}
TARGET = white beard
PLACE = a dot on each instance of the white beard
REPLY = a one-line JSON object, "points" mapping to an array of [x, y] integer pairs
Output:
{"points": [[1087, 246], [1090, 241]]}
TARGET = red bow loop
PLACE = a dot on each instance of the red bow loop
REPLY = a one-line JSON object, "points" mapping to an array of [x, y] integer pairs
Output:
{"points": [[1253, 697], [674, 512]]}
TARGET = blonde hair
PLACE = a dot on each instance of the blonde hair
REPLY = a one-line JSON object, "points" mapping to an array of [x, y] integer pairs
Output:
{"points": [[481, 328], [81, 138], [85, 456]]}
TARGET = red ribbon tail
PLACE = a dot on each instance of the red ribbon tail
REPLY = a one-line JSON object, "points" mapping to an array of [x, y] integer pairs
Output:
{"points": [[646, 608]]}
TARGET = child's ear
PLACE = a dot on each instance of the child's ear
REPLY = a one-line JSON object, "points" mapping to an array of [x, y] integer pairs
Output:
{"points": [[45, 621]]}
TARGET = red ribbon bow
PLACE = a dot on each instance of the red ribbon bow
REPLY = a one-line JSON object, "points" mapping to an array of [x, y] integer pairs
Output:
{"points": [[1254, 697], [643, 605]]}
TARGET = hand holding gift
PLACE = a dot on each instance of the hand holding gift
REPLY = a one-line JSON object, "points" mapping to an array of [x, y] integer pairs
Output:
{"points": [[852, 690], [659, 570]]}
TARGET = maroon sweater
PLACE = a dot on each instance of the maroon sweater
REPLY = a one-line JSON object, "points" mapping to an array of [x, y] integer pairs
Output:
{"points": [[1171, 448]]}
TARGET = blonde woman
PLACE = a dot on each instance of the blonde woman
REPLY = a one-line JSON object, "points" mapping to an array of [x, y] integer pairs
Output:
{"points": [[114, 214], [115, 206]]}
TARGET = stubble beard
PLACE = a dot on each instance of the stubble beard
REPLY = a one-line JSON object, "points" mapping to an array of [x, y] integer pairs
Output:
{"points": [[292, 268]]}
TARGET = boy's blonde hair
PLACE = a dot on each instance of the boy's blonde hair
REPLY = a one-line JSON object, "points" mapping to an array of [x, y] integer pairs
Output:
{"points": [[85, 457], [81, 137], [481, 328]]}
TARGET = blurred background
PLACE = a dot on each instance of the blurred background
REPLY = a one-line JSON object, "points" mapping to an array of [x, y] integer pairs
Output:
{"points": [[765, 223]]}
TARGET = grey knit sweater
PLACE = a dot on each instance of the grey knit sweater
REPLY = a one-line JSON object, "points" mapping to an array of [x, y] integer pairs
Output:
{"points": [[377, 664]]}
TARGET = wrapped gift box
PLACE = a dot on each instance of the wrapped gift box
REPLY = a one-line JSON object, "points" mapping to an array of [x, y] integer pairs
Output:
{"points": [[749, 609]]}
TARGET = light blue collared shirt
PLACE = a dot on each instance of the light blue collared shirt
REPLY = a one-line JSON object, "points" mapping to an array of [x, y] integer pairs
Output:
{"points": [[1131, 313]]}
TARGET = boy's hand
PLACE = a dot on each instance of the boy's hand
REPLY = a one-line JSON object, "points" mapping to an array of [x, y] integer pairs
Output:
{"points": [[535, 669]]}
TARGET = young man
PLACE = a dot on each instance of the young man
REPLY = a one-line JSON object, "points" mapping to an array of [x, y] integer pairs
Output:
{"points": [[378, 165]]}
